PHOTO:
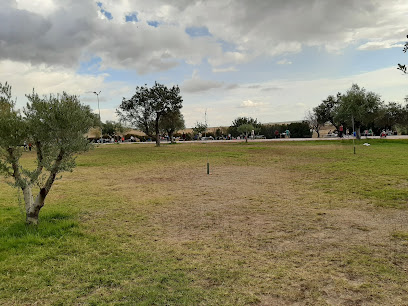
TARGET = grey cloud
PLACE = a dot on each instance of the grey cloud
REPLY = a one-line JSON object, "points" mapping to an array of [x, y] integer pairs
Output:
{"points": [[232, 86], [258, 27], [271, 88], [198, 85]]}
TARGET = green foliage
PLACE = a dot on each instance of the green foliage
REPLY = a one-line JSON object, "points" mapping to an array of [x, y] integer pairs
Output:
{"points": [[363, 107], [172, 122], [112, 128], [233, 129], [56, 125], [326, 111], [299, 129], [149, 105], [245, 129], [358, 105], [199, 128]]}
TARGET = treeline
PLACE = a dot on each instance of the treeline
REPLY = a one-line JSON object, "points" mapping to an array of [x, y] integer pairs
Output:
{"points": [[358, 110], [243, 126]]}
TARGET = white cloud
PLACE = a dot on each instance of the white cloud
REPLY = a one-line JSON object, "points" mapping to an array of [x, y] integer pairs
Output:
{"points": [[227, 69], [46, 80], [251, 104], [375, 45], [284, 62], [57, 33]]}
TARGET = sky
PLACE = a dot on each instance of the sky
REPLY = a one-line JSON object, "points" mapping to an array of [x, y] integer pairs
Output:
{"points": [[272, 60]]}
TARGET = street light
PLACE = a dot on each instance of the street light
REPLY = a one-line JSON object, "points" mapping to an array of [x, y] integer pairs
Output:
{"points": [[97, 96]]}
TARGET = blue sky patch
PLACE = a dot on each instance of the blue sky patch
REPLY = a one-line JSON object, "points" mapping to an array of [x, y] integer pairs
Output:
{"points": [[91, 66], [198, 31], [131, 18], [153, 23], [103, 11]]}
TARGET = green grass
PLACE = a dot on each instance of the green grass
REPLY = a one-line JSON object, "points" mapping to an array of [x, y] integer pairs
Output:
{"points": [[274, 223]]}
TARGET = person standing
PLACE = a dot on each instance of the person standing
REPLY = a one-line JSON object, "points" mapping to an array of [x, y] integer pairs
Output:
{"points": [[341, 131], [287, 132]]}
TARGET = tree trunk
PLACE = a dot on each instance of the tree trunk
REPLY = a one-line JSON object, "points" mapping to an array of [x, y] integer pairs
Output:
{"points": [[32, 207], [157, 140], [246, 137], [171, 137], [358, 133], [157, 132]]}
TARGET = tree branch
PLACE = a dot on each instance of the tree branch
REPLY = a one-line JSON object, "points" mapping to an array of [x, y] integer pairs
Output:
{"points": [[54, 171], [40, 157], [16, 170]]}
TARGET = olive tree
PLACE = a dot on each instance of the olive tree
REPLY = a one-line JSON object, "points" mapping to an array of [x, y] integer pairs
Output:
{"points": [[358, 106], [56, 126], [200, 128], [172, 122], [148, 105], [233, 129], [245, 129]]}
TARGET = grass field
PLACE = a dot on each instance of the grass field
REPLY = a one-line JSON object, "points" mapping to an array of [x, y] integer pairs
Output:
{"points": [[274, 223]]}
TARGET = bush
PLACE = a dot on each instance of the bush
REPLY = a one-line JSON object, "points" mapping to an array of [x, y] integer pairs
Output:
{"points": [[299, 130]]}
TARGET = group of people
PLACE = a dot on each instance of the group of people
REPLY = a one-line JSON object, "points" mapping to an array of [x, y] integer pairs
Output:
{"points": [[286, 134], [27, 146]]}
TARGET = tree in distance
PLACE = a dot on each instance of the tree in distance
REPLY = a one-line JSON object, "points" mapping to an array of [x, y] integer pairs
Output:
{"points": [[245, 129], [358, 107], [233, 129], [112, 128], [199, 128], [148, 106], [56, 126], [314, 122], [172, 122]]}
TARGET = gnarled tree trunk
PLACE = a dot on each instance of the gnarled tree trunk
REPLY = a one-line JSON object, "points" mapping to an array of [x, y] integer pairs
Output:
{"points": [[32, 206]]}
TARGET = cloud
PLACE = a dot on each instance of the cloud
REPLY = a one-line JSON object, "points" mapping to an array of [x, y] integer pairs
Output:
{"points": [[251, 104], [46, 80], [272, 88], [227, 69], [55, 33], [284, 62], [196, 85], [376, 45]]}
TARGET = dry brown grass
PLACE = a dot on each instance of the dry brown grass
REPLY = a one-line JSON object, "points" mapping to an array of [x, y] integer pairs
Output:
{"points": [[256, 230]]}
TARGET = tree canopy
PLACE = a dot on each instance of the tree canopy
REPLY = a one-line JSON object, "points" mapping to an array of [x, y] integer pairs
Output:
{"points": [[233, 129], [358, 106], [112, 128], [148, 105], [56, 126], [199, 128], [171, 123], [245, 129]]}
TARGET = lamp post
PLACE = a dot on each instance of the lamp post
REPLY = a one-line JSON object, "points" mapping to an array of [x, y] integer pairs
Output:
{"points": [[97, 96]]}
